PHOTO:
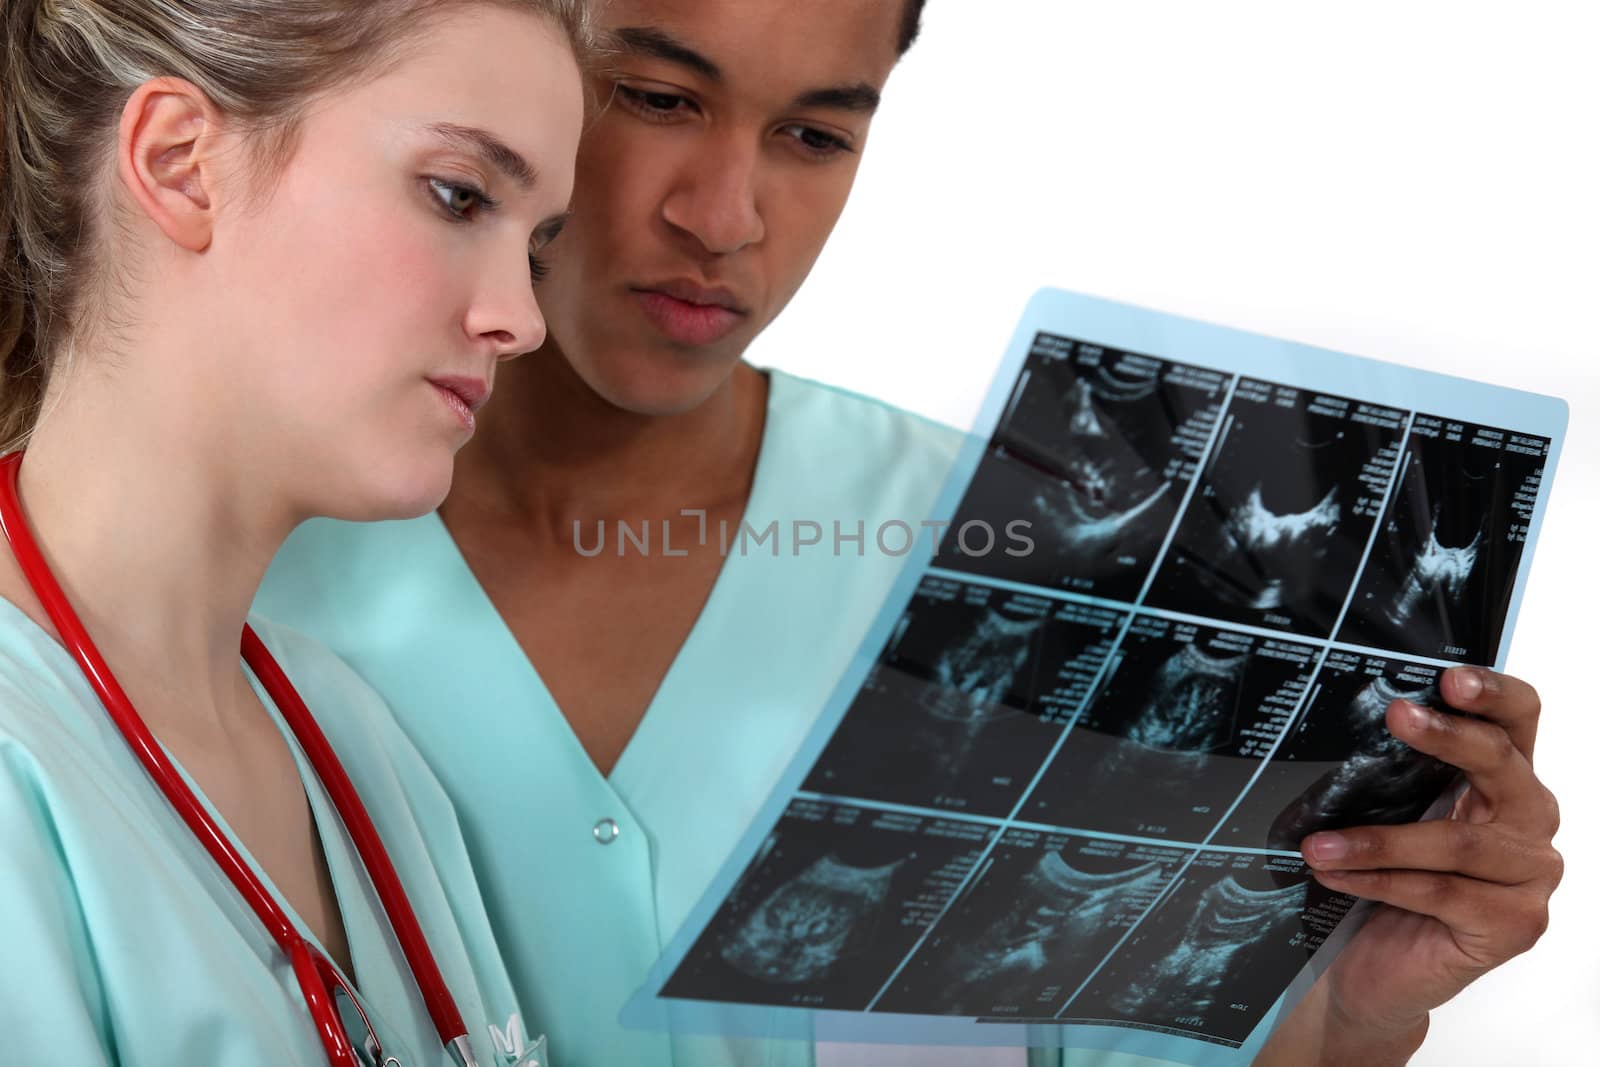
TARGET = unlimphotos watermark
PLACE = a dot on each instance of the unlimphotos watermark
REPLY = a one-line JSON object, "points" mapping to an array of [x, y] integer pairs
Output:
{"points": [[892, 537]]}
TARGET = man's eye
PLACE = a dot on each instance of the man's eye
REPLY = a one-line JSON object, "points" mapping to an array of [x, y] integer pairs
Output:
{"points": [[817, 142], [456, 198], [651, 102]]}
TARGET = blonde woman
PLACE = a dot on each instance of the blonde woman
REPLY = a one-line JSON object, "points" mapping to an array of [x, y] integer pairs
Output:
{"points": [[260, 260]]}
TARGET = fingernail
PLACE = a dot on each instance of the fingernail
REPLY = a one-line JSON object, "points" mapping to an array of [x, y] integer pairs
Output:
{"points": [[1324, 847], [1468, 684], [1419, 717]]}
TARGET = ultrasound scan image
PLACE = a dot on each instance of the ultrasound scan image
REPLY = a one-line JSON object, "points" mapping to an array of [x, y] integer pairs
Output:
{"points": [[1275, 532], [1215, 954], [1340, 766], [1093, 454], [1032, 926], [829, 908], [1440, 577], [974, 678], [967, 699], [1174, 733], [799, 932]]}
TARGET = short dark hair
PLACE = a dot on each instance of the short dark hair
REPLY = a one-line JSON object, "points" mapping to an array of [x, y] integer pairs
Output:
{"points": [[910, 25]]}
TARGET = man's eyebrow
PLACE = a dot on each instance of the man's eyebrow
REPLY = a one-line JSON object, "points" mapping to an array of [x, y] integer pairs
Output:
{"points": [[658, 44], [487, 146], [858, 97]]}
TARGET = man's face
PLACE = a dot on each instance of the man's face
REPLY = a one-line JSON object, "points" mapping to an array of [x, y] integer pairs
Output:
{"points": [[709, 184]]}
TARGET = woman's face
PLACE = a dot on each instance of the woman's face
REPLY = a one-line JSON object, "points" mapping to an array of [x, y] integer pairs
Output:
{"points": [[391, 264]]}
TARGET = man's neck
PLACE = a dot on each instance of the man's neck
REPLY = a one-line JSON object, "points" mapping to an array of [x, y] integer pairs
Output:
{"points": [[551, 453], [555, 468]]}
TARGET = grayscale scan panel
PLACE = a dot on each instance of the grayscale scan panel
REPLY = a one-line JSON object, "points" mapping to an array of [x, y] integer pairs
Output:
{"points": [[1058, 798]]}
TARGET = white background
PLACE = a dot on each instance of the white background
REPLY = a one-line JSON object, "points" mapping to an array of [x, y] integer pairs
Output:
{"points": [[1412, 181]]}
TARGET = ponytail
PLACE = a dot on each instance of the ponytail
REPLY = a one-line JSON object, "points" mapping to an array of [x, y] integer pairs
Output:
{"points": [[21, 372]]}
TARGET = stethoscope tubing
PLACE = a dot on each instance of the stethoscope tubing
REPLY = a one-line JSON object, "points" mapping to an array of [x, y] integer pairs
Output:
{"points": [[436, 996]]}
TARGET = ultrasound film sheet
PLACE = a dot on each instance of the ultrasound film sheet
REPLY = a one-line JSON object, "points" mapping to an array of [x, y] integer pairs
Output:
{"points": [[834, 901], [1175, 732], [1094, 453], [1440, 577], [1284, 510], [1058, 797], [972, 691]]}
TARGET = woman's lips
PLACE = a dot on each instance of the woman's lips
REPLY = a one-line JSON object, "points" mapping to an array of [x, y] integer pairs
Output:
{"points": [[685, 321], [463, 396]]}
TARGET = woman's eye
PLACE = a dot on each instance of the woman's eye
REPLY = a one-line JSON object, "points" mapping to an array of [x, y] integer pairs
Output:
{"points": [[458, 199], [538, 269]]}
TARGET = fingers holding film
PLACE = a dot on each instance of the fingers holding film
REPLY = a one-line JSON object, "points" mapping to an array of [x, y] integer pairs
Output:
{"points": [[1494, 765], [1492, 922], [1500, 698], [1484, 852]]}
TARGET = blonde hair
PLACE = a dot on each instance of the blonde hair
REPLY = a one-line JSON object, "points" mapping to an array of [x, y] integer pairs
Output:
{"points": [[68, 68]]}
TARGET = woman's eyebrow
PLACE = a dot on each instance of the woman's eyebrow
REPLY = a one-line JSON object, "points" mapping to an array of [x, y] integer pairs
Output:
{"points": [[488, 148]]}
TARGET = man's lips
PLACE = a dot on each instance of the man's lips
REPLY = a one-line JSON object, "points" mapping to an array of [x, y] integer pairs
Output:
{"points": [[690, 314]]}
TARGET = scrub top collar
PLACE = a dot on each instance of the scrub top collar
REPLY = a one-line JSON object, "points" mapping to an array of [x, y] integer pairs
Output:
{"points": [[382, 977], [685, 666]]}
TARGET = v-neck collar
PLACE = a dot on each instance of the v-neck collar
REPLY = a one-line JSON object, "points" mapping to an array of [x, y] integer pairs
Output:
{"points": [[733, 564], [383, 975], [374, 953]]}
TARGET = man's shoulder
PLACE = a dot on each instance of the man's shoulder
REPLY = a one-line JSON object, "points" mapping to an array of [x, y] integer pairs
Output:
{"points": [[334, 580], [835, 430], [329, 545], [844, 410]]}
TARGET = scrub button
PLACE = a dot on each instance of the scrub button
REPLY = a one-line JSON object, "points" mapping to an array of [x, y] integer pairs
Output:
{"points": [[606, 831]]}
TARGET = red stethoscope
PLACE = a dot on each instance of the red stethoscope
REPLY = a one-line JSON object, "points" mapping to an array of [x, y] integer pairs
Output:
{"points": [[320, 982]]}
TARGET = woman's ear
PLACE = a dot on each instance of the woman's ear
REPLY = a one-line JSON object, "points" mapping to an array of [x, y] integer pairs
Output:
{"points": [[167, 158]]}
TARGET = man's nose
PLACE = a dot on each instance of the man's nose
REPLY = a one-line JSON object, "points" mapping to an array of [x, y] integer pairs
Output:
{"points": [[715, 199]]}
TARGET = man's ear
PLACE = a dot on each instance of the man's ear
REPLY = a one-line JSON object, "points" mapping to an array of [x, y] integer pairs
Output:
{"points": [[167, 159]]}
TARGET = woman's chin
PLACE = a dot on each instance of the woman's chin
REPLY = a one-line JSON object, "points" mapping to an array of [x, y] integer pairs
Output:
{"points": [[404, 497]]}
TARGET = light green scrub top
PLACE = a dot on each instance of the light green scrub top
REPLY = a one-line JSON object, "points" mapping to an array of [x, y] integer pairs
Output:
{"points": [[121, 940], [587, 877]]}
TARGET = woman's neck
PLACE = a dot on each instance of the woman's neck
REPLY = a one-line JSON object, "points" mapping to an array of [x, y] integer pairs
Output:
{"points": [[152, 529]]}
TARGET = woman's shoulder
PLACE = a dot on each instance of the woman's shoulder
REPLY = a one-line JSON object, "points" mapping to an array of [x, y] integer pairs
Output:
{"points": [[316, 670], [352, 714], [344, 704], [44, 703], [64, 769]]}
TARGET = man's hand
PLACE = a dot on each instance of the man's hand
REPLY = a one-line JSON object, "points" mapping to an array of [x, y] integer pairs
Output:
{"points": [[1462, 894]]}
